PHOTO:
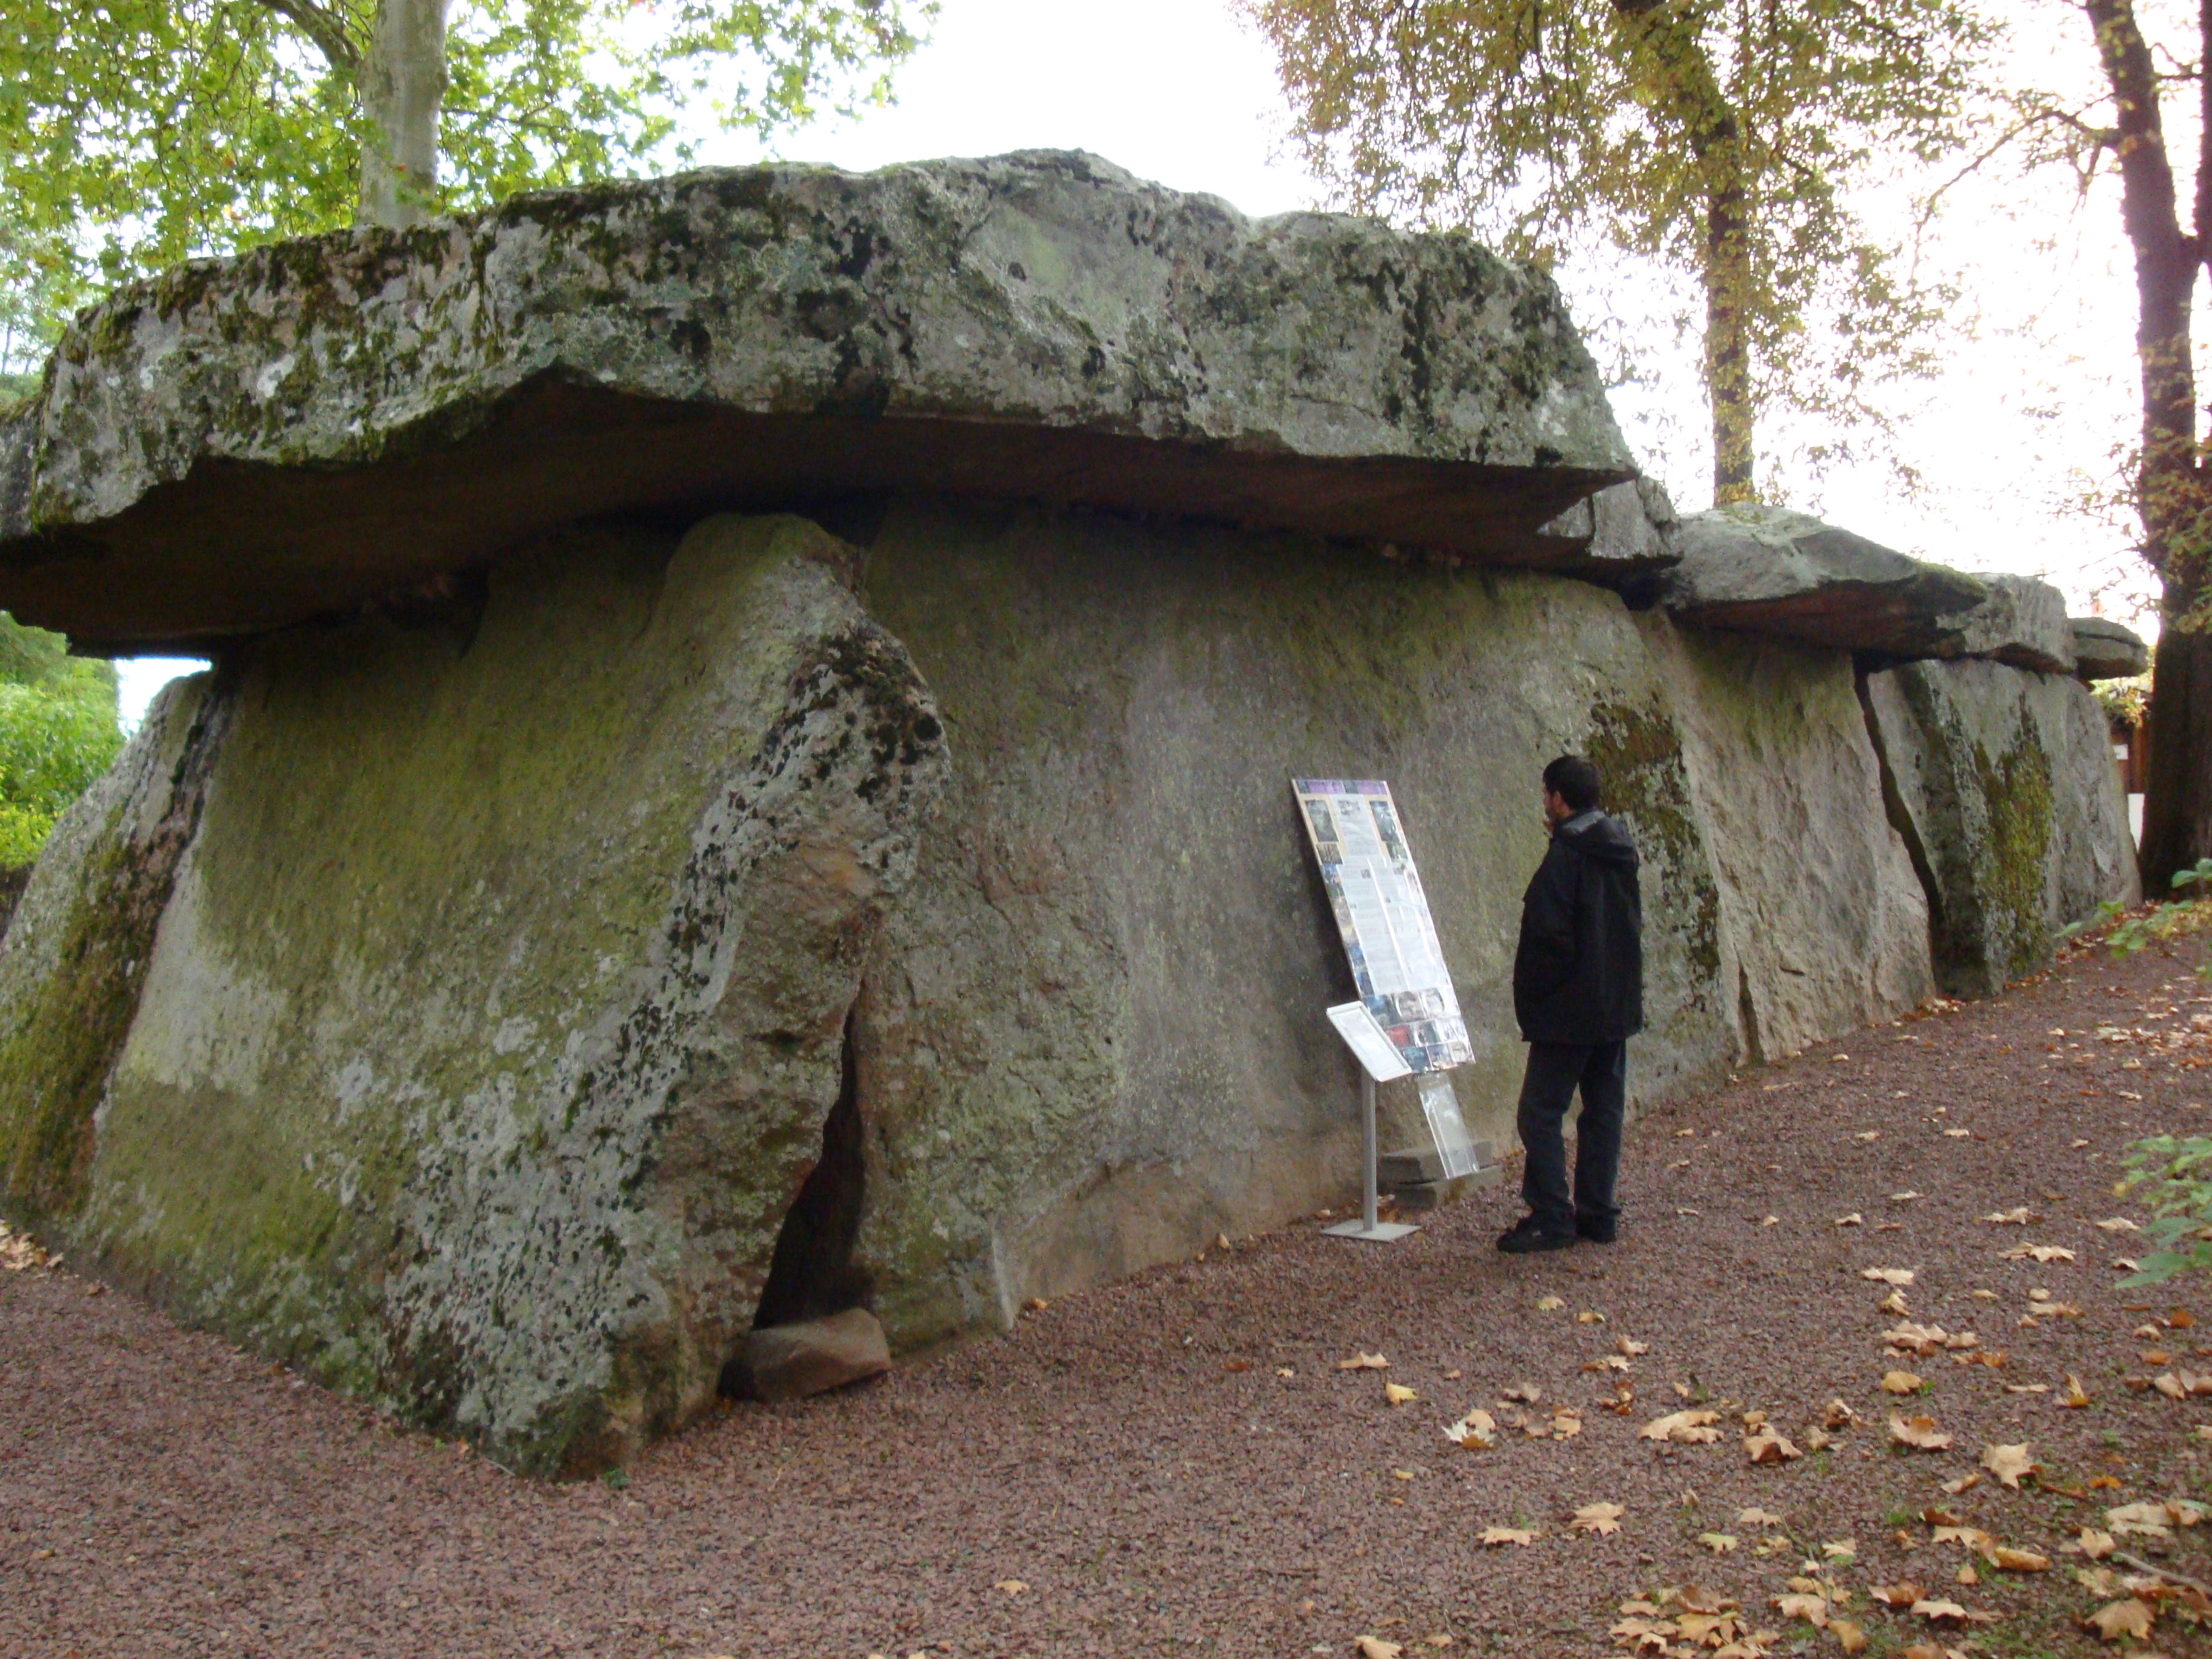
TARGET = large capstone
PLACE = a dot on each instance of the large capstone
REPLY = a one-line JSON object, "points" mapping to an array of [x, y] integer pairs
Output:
{"points": [[2003, 786], [2106, 650], [242, 444]]}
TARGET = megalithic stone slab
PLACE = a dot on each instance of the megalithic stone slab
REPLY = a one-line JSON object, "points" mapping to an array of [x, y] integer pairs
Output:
{"points": [[790, 1362], [2002, 783], [1768, 570], [239, 444], [502, 987], [2106, 650]]}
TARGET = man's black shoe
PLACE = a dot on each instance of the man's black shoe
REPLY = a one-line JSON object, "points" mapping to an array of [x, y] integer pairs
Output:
{"points": [[1595, 1232], [1526, 1237]]}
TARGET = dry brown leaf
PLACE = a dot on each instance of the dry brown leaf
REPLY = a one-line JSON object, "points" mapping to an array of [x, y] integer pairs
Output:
{"points": [[1630, 1347], [1962, 1483], [1548, 1303], [1364, 1362], [2007, 1463], [1604, 1519], [1899, 1382], [2141, 1519], [2012, 1561], [2171, 1386], [1854, 1219], [2038, 1252], [2074, 1399], [2118, 1224], [1398, 1393], [1917, 1431], [1476, 1432], [1688, 1428], [2095, 1545], [1849, 1637], [1899, 1276], [1892, 1304], [1527, 1393], [1497, 1536], [1895, 1596], [1607, 1362], [1972, 1538], [1966, 1575], [2131, 1618], [1812, 1608], [1011, 1586], [1768, 1447], [1589, 1316], [1837, 1415], [1374, 1647], [1938, 1611], [1758, 1518], [1720, 1543], [2019, 1217]]}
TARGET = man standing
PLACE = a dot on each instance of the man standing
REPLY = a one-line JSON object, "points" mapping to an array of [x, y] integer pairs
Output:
{"points": [[1578, 995]]}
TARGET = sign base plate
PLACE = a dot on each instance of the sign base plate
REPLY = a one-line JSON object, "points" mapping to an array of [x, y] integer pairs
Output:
{"points": [[1382, 1233]]}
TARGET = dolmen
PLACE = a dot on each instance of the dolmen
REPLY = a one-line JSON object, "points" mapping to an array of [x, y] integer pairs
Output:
{"points": [[740, 824]]}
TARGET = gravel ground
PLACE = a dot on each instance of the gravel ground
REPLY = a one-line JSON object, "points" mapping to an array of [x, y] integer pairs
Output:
{"points": [[1176, 1464]]}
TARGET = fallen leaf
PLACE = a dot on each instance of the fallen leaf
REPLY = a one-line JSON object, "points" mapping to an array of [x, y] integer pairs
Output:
{"points": [[1476, 1432], [1037, 1304], [2171, 1386], [2037, 1252], [1963, 1483], [1527, 1393], [1854, 1219], [1607, 1362], [1397, 1394], [1812, 1608], [1401, 1474], [2074, 1399], [2007, 1463], [1838, 1415], [1604, 1519], [1496, 1536], [2017, 1218], [1011, 1586], [1768, 1447], [2179, 1319], [1956, 1134], [1630, 1347], [1689, 1428], [1374, 1647], [1547, 1303], [2118, 1224], [2095, 1545], [1868, 1135], [2118, 1618], [1903, 1198], [1899, 1382], [1895, 1596], [1950, 1613], [1917, 1431], [2143, 1520], [1849, 1636], [1887, 1275], [1966, 1575], [1758, 1518], [1364, 1362], [1720, 1543], [1587, 1317], [2012, 1561]]}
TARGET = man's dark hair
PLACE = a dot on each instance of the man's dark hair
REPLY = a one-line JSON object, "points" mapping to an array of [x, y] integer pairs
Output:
{"points": [[1574, 781]]}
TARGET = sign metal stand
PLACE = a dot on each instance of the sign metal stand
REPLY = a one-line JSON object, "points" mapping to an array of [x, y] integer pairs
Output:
{"points": [[1371, 1047]]}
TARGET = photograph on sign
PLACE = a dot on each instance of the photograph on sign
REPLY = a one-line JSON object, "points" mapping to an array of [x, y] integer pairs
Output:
{"points": [[1382, 915], [1370, 1043]]}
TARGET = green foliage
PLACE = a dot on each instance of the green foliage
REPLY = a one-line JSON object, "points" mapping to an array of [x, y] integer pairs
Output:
{"points": [[139, 132], [1723, 140], [2173, 1176], [2129, 933], [2123, 702], [57, 733]]}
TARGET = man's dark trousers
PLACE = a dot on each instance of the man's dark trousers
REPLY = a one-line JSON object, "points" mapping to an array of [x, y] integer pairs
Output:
{"points": [[1556, 1070]]}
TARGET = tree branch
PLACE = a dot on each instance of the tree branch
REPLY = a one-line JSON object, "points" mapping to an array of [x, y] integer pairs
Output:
{"points": [[326, 27]]}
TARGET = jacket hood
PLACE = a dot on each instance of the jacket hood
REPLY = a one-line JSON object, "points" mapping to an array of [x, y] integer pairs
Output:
{"points": [[1601, 838]]}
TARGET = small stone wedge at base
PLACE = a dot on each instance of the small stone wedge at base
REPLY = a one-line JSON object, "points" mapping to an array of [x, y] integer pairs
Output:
{"points": [[790, 1362]]}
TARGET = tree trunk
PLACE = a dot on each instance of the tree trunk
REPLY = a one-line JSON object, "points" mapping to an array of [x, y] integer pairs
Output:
{"points": [[1727, 347], [1669, 57], [2170, 494], [403, 81]]}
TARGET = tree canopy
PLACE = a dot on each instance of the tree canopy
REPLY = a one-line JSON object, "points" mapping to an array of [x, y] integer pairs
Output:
{"points": [[1721, 136], [57, 733], [134, 133]]}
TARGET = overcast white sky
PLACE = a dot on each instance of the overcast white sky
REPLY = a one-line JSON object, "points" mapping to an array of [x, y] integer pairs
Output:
{"points": [[1181, 91]]}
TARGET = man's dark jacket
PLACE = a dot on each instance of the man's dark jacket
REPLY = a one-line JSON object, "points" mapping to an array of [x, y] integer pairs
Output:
{"points": [[1578, 975]]}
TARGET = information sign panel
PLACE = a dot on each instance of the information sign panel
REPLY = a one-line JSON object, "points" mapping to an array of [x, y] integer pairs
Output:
{"points": [[1383, 915]]}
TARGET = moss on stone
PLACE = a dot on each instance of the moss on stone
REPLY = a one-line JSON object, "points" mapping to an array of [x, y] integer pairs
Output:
{"points": [[2016, 789], [1638, 752]]}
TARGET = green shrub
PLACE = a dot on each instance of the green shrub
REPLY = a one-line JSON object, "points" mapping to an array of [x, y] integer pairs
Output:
{"points": [[2173, 1174], [57, 733]]}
